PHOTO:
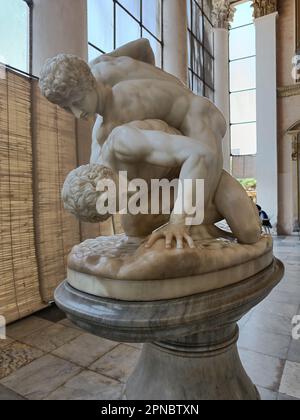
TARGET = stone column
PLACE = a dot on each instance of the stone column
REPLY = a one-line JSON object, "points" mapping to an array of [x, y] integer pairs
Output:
{"points": [[175, 38], [59, 26], [266, 107], [285, 185], [222, 16]]}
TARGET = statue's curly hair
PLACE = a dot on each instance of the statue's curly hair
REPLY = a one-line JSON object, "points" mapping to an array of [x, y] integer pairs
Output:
{"points": [[65, 76], [79, 192]]}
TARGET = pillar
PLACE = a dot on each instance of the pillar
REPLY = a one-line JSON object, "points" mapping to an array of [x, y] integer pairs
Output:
{"points": [[285, 185], [175, 38], [222, 15], [59, 26], [266, 104]]}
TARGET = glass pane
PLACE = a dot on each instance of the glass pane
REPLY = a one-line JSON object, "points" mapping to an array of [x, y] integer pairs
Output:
{"points": [[14, 34], [190, 80], [152, 16], [243, 107], [209, 93], [243, 74], [127, 28], [207, 8], [243, 15], [197, 58], [198, 87], [243, 139], [93, 53], [189, 13], [208, 69], [156, 46], [133, 6], [101, 24], [197, 22], [208, 36], [242, 42]]}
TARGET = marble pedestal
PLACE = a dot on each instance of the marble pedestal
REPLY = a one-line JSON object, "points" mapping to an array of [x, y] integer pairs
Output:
{"points": [[190, 350]]}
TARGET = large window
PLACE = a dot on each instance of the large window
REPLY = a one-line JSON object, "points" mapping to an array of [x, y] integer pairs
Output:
{"points": [[112, 23], [243, 81], [201, 47], [14, 34]]}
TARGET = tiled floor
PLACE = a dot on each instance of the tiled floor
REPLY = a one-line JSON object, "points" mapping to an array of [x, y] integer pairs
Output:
{"points": [[46, 357]]}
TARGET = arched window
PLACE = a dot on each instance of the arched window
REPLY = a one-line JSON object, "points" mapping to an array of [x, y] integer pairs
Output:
{"points": [[14, 33], [112, 23], [242, 55], [201, 47]]}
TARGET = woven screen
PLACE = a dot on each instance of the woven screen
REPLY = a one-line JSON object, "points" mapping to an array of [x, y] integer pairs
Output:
{"points": [[39, 145], [19, 283], [55, 155]]}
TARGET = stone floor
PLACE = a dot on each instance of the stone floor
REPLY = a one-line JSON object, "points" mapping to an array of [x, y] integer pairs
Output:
{"points": [[46, 357]]}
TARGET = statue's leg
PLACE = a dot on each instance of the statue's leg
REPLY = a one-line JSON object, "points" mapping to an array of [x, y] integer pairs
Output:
{"points": [[237, 208]]}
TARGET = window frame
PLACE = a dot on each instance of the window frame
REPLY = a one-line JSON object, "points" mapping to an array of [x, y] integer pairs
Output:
{"points": [[203, 49], [139, 21], [29, 57]]}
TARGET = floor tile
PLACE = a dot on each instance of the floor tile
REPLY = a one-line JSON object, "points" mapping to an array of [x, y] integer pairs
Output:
{"points": [[263, 342], [294, 351], [8, 395], [36, 380], [265, 371], [5, 343], [138, 346], [85, 349], [26, 327], [282, 397], [267, 395], [119, 363], [284, 297], [67, 323], [52, 337], [275, 324], [15, 356], [88, 386], [274, 308], [52, 314], [290, 384]]}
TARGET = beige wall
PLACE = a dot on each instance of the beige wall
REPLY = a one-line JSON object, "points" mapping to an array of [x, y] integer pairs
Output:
{"points": [[58, 26], [285, 41]]}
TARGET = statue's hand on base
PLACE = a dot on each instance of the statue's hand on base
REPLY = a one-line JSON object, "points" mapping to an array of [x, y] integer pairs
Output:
{"points": [[179, 233]]}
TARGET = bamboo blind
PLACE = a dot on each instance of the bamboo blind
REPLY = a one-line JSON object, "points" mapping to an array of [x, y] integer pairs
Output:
{"points": [[39, 145], [55, 156], [19, 283]]}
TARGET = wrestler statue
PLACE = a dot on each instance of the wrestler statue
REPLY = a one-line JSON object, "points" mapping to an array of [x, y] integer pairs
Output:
{"points": [[152, 127], [136, 103]]}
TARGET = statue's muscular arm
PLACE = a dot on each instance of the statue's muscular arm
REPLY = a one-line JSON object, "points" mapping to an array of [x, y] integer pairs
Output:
{"points": [[138, 50]]}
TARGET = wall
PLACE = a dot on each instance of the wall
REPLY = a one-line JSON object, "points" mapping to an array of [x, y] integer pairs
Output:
{"points": [[288, 113]]}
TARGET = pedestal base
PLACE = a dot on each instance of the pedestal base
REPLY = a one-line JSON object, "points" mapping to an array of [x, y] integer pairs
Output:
{"points": [[169, 371], [191, 342]]}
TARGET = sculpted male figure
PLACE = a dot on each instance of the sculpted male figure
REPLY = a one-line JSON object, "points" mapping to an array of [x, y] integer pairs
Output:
{"points": [[152, 150], [69, 82]]}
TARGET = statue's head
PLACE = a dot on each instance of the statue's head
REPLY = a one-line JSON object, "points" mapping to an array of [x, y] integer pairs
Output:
{"points": [[67, 81], [80, 195]]}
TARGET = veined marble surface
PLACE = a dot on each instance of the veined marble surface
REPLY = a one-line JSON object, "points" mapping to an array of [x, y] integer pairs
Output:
{"points": [[122, 268]]}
